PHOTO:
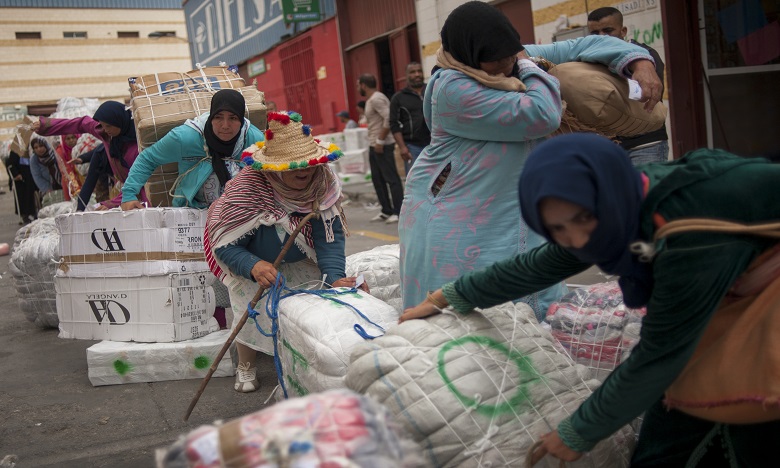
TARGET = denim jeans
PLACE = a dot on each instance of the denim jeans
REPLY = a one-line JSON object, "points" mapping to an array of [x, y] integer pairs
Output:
{"points": [[415, 151], [658, 152]]}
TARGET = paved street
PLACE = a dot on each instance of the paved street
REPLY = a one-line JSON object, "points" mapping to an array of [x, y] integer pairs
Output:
{"points": [[53, 416]]}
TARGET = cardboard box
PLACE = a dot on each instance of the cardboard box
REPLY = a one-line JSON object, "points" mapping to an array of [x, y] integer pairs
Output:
{"points": [[116, 234], [355, 139], [159, 188], [202, 79], [117, 362], [154, 116], [335, 138], [155, 309]]}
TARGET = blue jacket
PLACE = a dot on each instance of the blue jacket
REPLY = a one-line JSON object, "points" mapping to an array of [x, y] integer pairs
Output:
{"points": [[186, 146]]}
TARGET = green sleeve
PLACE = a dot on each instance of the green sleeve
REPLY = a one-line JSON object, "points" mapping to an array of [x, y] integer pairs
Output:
{"points": [[690, 281], [513, 278], [167, 150]]}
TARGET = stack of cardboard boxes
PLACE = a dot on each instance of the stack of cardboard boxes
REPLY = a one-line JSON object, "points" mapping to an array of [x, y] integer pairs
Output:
{"points": [[141, 276]]}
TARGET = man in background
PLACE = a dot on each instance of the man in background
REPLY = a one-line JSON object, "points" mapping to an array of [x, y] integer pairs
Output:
{"points": [[653, 146], [407, 122], [346, 120], [381, 155]]}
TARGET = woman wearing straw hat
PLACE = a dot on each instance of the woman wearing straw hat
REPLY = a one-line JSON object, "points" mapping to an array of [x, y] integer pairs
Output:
{"points": [[287, 176]]}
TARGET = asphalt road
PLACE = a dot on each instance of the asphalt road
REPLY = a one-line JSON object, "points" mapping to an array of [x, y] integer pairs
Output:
{"points": [[53, 416]]}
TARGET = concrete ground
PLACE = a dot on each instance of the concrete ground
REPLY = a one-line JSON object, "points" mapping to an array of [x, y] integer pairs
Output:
{"points": [[53, 416]]}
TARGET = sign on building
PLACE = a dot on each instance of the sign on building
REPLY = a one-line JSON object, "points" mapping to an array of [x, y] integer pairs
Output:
{"points": [[301, 10]]}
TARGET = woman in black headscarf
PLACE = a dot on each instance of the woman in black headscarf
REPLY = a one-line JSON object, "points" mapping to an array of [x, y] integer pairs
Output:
{"points": [[487, 105], [207, 150]]}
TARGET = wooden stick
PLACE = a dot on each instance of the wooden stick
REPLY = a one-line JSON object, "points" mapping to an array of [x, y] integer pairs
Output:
{"points": [[242, 321]]}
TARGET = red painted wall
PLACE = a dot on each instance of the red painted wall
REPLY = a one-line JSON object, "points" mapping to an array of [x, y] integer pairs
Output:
{"points": [[327, 58]]}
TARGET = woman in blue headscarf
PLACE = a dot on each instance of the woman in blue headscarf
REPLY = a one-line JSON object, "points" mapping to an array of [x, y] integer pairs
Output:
{"points": [[113, 125], [704, 290]]}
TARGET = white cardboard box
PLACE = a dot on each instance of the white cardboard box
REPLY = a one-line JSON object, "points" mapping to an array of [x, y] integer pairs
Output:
{"points": [[151, 309], [152, 241], [116, 362], [355, 139]]}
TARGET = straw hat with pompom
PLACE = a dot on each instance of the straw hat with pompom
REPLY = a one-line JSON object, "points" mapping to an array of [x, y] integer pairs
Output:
{"points": [[288, 146]]}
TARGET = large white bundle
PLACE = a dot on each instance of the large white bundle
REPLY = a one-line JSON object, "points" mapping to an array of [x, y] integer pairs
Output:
{"points": [[117, 362], [89, 104], [317, 335], [478, 390], [32, 264], [380, 267], [57, 209]]}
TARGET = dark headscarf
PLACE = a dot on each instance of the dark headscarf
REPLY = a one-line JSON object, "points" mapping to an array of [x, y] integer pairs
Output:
{"points": [[115, 114], [223, 100], [592, 172], [477, 32]]}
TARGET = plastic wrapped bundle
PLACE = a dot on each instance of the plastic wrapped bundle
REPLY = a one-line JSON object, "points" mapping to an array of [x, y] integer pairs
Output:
{"points": [[57, 209], [116, 362], [317, 335], [595, 327], [32, 264], [479, 389], [380, 267], [333, 429]]}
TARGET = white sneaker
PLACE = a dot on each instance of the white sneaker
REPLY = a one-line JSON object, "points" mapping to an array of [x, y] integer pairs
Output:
{"points": [[246, 378], [391, 219], [381, 217]]}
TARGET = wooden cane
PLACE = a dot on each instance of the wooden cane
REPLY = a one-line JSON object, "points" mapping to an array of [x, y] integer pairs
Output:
{"points": [[242, 321]]}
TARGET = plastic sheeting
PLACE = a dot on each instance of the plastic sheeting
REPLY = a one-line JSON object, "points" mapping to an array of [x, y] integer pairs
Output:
{"points": [[479, 389], [595, 327], [114, 362], [317, 335], [380, 268], [333, 429], [32, 265]]}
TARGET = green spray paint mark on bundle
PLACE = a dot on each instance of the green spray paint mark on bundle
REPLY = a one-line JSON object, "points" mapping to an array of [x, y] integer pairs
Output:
{"points": [[299, 389], [527, 374], [121, 367], [202, 362], [297, 356]]}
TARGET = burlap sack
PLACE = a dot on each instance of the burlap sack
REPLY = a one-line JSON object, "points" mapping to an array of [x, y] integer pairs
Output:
{"points": [[734, 374], [599, 99], [155, 116], [202, 79]]}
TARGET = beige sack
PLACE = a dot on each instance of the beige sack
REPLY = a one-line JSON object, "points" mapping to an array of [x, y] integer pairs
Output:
{"points": [[599, 99]]}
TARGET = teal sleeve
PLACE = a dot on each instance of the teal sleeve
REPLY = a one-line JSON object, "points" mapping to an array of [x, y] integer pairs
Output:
{"points": [[167, 150], [331, 258], [609, 51], [467, 109], [514, 278], [238, 257], [690, 282]]}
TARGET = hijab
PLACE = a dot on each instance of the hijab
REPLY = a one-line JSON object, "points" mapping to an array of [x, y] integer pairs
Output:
{"points": [[231, 101], [592, 172], [117, 115], [67, 151], [477, 32], [49, 160]]}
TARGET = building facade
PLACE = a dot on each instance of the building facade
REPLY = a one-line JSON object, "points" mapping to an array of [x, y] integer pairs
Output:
{"points": [[84, 49]]}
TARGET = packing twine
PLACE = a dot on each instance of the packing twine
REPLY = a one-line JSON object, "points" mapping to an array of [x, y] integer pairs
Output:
{"points": [[276, 293]]}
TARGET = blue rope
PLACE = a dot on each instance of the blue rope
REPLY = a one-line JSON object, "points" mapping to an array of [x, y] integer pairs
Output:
{"points": [[275, 295]]}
